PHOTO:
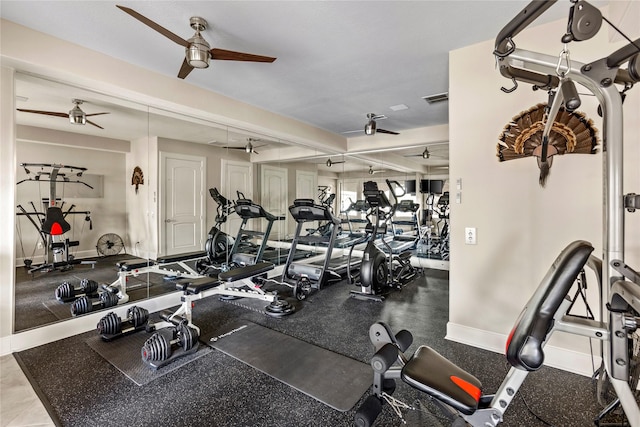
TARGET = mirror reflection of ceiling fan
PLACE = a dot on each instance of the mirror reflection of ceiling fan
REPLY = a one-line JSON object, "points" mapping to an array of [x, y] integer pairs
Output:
{"points": [[76, 116], [372, 172], [426, 154], [371, 127], [330, 162], [198, 52], [249, 147]]}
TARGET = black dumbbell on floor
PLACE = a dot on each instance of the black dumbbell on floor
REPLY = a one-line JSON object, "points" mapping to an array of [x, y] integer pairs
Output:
{"points": [[160, 345], [111, 326], [85, 304], [67, 292]]}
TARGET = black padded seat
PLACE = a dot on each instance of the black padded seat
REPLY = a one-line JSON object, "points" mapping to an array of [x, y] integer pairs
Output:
{"points": [[245, 272], [168, 259], [431, 373], [198, 285], [526, 340], [133, 264]]}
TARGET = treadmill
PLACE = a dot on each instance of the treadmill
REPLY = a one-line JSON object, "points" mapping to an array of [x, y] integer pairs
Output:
{"points": [[241, 252], [313, 275], [245, 253]]}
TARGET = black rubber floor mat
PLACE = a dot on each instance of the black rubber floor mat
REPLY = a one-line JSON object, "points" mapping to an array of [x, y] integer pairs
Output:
{"points": [[124, 354], [333, 379], [59, 309]]}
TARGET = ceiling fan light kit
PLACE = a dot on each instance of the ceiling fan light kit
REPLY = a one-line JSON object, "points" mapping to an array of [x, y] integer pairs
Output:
{"points": [[370, 127], [76, 115], [197, 53]]}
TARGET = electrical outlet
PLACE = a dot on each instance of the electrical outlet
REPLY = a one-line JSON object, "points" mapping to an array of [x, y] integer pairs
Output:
{"points": [[470, 235]]}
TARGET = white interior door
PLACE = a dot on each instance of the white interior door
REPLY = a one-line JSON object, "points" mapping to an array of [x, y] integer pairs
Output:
{"points": [[306, 185], [182, 213], [274, 190], [236, 176]]}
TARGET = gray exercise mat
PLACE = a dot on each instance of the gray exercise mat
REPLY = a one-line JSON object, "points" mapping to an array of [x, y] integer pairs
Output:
{"points": [[333, 379], [124, 354]]}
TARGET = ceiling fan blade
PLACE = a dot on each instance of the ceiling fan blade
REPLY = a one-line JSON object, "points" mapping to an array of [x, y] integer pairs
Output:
{"points": [[230, 55], [168, 34], [235, 148], [255, 152], [96, 125], [46, 113], [353, 131], [390, 132], [185, 69], [94, 114]]}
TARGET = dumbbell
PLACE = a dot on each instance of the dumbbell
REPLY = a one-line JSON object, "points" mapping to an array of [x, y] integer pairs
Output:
{"points": [[160, 345], [67, 292], [85, 304], [112, 325]]}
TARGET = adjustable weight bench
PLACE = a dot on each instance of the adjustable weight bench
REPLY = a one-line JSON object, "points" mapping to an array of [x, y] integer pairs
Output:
{"points": [[458, 392], [239, 283], [116, 292]]}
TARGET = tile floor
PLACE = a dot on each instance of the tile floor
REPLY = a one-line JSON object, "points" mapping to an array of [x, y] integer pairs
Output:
{"points": [[19, 404]]}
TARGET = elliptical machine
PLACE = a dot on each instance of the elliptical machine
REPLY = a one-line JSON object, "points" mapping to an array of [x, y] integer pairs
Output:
{"points": [[380, 272], [219, 243]]}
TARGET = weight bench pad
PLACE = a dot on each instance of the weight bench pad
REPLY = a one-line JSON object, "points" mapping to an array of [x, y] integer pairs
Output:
{"points": [[198, 285], [127, 265], [181, 257], [431, 373], [245, 272]]}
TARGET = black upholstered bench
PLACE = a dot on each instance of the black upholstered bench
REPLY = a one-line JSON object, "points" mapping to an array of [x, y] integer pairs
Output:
{"points": [[245, 272], [168, 259], [133, 264], [431, 373]]}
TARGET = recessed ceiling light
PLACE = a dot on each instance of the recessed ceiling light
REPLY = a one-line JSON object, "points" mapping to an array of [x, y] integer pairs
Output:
{"points": [[436, 98], [399, 107]]}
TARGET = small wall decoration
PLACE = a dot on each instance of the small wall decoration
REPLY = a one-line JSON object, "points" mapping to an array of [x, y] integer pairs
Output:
{"points": [[570, 133], [137, 178]]}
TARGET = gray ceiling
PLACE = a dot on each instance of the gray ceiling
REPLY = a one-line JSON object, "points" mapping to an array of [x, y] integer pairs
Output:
{"points": [[336, 60]]}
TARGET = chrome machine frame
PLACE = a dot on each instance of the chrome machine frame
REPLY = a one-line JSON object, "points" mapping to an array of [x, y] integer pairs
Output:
{"points": [[620, 298]]}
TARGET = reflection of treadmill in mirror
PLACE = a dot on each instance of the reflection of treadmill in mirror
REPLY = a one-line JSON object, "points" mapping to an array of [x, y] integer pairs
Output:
{"points": [[242, 251], [406, 241], [319, 273]]}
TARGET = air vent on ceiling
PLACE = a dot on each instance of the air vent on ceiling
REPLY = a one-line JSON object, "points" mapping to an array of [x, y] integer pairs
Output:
{"points": [[436, 98]]}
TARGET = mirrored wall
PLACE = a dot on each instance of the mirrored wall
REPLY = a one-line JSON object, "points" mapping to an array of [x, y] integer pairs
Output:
{"points": [[134, 187]]}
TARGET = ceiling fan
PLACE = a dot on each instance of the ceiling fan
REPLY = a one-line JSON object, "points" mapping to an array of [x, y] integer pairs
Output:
{"points": [[248, 148], [76, 116], [372, 172], [330, 163], [198, 52], [426, 154], [371, 127]]}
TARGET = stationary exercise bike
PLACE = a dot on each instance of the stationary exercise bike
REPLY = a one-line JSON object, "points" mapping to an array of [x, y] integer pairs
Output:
{"points": [[380, 271]]}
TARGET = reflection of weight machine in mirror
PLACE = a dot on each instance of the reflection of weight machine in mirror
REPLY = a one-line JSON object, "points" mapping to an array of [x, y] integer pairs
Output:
{"points": [[434, 238], [51, 224]]}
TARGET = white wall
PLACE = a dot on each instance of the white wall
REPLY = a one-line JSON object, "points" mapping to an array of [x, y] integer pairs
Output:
{"points": [[521, 227]]}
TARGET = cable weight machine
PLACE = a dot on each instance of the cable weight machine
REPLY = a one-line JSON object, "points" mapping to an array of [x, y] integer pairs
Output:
{"points": [[51, 223]]}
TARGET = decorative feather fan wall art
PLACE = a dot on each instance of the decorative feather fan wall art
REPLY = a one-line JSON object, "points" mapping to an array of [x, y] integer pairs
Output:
{"points": [[522, 137]]}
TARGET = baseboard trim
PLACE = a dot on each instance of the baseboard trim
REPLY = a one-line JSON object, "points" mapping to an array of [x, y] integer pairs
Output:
{"points": [[555, 357]]}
